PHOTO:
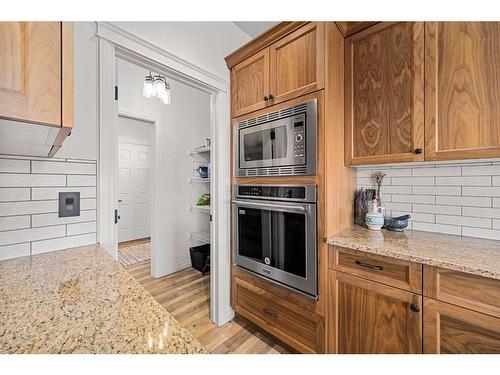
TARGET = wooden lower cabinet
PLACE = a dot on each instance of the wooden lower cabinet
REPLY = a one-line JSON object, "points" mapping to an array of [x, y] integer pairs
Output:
{"points": [[285, 320], [449, 329], [367, 317]]}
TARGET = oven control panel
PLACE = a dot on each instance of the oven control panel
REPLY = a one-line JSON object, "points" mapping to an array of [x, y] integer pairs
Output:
{"points": [[301, 193], [299, 139]]}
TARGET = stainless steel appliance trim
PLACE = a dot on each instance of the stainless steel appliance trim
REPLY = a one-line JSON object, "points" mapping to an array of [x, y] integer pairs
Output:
{"points": [[309, 284], [273, 207], [286, 166], [311, 192]]}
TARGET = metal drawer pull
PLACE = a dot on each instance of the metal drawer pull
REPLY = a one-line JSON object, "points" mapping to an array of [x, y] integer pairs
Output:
{"points": [[371, 266]]}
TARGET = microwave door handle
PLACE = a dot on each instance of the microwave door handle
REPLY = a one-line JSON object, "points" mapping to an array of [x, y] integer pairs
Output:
{"points": [[270, 206]]}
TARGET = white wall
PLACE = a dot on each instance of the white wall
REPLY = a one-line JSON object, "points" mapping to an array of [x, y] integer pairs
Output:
{"points": [[82, 143], [29, 193], [204, 44], [182, 125], [461, 198]]}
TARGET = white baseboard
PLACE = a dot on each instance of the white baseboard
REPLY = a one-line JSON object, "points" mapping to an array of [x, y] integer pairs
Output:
{"points": [[176, 267]]}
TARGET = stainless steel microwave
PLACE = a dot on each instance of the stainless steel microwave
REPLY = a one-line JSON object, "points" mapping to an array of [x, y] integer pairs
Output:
{"points": [[279, 143]]}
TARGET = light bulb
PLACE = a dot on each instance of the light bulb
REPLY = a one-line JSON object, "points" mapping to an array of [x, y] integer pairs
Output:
{"points": [[165, 95], [148, 89]]}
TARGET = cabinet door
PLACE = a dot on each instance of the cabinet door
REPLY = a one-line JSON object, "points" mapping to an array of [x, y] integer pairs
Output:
{"points": [[367, 317], [452, 329], [462, 91], [30, 71], [297, 63], [250, 84], [384, 91]]}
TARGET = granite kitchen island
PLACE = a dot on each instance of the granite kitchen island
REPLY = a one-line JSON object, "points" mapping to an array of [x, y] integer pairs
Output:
{"points": [[81, 300]]}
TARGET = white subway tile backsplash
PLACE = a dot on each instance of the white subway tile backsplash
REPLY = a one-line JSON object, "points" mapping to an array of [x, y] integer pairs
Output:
{"points": [[436, 190], [81, 228], [425, 180], [480, 170], [55, 167], [430, 199], [31, 234], [27, 207], [495, 181], [396, 189], [14, 194], [443, 171], [14, 166], [29, 193], [88, 204], [14, 222], [464, 181], [43, 220], [496, 202], [464, 201], [80, 180], [496, 223], [53, 193], [437, 209], [31, 180], [39, 247], [464, 221], [484, 191], [439, 228], [481, 233], [481, 212], [398, 206], [14, 251]]}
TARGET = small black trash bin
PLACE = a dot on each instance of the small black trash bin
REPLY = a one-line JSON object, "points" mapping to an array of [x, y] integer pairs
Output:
{"points": [[200, 258]]}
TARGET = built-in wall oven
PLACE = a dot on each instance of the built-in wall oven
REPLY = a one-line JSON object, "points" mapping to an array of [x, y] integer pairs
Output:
{"points": [[274, 232], [278, 143]]}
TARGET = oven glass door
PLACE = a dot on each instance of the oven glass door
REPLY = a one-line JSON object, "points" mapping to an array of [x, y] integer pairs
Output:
{"points": [[277, 241], [267, 145]]}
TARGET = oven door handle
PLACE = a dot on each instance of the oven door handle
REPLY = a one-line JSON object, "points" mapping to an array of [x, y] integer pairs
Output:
{"points": [[271, 206]]}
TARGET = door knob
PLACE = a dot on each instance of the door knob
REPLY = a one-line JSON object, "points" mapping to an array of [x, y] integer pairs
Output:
{"points": [[418, 151], [266, 98], [271, 97], [414, 307]]}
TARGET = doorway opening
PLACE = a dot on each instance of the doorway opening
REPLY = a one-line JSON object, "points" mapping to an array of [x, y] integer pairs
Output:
{"points": [[135, 165], [113, 47]]}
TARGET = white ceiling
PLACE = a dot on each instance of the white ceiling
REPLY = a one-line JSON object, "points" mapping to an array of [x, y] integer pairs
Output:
{"points": [[254, 28]]}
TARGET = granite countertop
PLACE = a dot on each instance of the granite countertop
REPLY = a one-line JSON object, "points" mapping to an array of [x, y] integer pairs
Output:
{"points": [[82, 301], [471, 255]]}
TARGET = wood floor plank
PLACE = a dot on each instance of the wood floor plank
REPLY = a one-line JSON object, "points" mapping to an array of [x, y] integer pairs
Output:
{"points": [[186, 295]]}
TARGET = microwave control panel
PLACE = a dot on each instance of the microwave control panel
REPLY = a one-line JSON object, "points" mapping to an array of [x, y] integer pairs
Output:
{"points": [[299, 137]]}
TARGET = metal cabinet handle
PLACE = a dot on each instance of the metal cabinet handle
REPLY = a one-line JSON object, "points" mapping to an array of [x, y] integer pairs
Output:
{"points": [[367, 265], [418, 151], [266, 98], [414, 307], [271, 97], [270, 206]]}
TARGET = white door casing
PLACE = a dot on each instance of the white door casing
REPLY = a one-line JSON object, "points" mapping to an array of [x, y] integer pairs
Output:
{"points": [[134, 191]]}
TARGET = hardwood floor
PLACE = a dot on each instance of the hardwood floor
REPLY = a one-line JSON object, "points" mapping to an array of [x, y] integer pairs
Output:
{"points": [[186, 295]]}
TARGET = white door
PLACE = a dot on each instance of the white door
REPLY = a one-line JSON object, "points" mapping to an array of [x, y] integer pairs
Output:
{"points": [[134, 191]]}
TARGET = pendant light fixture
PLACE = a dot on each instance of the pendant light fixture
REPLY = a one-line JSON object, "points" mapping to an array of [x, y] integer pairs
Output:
{"points": [[156, 86]]}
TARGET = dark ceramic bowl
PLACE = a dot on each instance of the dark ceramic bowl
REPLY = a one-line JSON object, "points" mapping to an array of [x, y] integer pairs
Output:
{"points": [[395, 223]]}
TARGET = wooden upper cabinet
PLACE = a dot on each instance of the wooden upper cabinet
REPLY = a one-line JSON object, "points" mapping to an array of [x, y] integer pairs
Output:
{"points": [[32, 72], [384, 94], [250, 84], [462, 90], [367, 317], [297, 63]]}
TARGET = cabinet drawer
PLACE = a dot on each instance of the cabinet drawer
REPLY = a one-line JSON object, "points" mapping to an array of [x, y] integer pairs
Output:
{"points": [[471, 291], [288, 322], [394, 272]]}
